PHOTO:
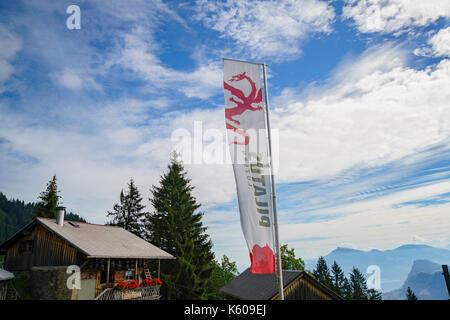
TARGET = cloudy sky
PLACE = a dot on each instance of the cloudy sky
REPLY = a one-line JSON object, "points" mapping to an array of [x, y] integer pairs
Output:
{"points": [[359, 92]]}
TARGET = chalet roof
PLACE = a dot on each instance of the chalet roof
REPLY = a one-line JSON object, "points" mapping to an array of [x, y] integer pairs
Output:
{"points": [[5, 275], [101, 241], [251, 286]]}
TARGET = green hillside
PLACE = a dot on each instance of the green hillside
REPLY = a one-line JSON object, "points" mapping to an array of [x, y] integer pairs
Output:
{"points": [[14, 214]]}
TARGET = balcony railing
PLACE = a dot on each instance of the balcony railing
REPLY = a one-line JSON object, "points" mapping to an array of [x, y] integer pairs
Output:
{"points": [[140, 293]]}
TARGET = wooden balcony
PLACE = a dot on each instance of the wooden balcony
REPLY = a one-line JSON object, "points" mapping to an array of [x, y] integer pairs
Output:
{"points": [[140, 293]]}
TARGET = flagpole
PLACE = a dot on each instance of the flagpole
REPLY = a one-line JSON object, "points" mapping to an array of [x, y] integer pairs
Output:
{"points": [[274, 195]]}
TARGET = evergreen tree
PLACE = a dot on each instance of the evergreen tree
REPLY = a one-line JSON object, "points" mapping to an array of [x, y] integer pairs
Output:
{"points": [[358, 286], [373, 294], [339, 282], [175, 226], [48, 200], [322, 273], [410, 295], [347, 290], [14, 214], [289, 261], [128, 213], [74, 217]]}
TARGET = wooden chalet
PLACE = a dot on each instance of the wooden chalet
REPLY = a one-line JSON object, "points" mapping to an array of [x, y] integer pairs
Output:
{"points": [[44, 249], [298, 285]]}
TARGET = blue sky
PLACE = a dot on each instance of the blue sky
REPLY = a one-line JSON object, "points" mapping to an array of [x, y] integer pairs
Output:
{"points": [[358, 90]]}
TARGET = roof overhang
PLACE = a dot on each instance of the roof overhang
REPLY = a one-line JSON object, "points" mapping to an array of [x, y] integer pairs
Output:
{"points": [[133, 257]]}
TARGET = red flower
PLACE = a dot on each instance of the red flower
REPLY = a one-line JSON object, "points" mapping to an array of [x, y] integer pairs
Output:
{"points": [[127, 285], [133, 284], [145, 282], [122, 285]]}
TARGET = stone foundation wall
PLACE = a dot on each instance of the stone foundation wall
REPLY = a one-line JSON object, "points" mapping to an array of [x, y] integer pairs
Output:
{"points": [[50, 283]]}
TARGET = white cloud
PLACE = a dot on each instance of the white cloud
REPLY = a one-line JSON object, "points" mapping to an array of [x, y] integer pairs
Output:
{"points": [[10, 44], [438, 45], [267, 28], [374, 110], [138, 54], [394, 16], [141, 11], [375, 223], [74, 79], [419, 240]]}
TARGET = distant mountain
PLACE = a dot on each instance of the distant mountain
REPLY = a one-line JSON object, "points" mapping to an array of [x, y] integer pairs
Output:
{"points": [[426, 281], [394, 264]]}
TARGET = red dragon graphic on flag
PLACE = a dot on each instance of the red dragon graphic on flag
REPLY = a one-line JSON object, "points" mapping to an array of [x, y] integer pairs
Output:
{"points": [[243, 104]]}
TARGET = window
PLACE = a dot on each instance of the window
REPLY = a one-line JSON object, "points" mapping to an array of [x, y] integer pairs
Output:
{"points": [[129, 274]]}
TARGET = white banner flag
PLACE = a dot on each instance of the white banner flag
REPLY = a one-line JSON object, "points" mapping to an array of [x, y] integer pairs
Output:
{"points": [[247, 137]]}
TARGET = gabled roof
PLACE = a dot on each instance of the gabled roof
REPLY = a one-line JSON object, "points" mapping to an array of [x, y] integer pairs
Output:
{"points": [[251, 286], [99, 241]]}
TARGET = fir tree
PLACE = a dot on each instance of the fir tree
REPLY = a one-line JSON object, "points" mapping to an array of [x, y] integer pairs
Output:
{"points": [[358, 286], [14, 214], [347, 290], [322, 273], [339, 282], [175, 226], [128, 213], [48, 200], [410, 295], [74, 217], [373, 294]]}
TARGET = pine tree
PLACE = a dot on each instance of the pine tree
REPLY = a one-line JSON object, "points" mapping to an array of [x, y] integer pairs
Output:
{"points": [[74, 217], [410, 295], [322, 273], [175, 226], [373, 294], [48, 200], [128, 213], [358, 286], [339, 282], [347, 290]]}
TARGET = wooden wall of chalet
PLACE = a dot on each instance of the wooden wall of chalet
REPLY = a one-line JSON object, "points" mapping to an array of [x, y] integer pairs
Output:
{"points": [[302, 289], [40, 248]]}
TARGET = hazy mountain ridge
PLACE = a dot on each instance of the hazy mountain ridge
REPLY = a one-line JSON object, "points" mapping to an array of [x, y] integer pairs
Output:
{"points": [[426, 281], [394, 264]]}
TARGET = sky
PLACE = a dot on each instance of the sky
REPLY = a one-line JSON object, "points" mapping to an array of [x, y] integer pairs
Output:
{"points": [[359, 98]]}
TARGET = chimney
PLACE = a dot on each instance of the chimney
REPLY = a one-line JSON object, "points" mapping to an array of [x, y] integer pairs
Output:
{"points": [[60, 211]]}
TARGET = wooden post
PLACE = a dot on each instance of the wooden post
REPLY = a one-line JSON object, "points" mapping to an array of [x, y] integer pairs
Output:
{"points": [[159, 269], [4, 291], [107, 273], [136, 272]]}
